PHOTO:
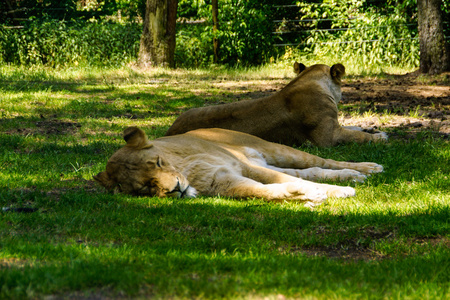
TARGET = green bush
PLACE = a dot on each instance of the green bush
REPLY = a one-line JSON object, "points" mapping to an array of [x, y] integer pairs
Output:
{"points": [[194, 46], [245, 38], [61, 43], [374, 37], [245, 33], [381, 33]]}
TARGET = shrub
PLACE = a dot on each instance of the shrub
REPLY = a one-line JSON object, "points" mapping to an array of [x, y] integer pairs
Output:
{"points": [[62, 43], [373, 37], [245, 33], [194, 46]]}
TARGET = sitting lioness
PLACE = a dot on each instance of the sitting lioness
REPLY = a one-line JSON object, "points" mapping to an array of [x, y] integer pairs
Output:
{"points": [[213, 162], [306, 109]]}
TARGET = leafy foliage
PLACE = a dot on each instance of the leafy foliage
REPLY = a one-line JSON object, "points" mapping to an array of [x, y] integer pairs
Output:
{"points": [[371, 33], [362, 34], [68, 9], [379, 32], [194, 46], [60, 43], [244, 33]]}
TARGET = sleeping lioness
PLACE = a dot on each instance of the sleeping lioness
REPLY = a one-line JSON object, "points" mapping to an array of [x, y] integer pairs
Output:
{"points": [[306, 109], [222, 162]]}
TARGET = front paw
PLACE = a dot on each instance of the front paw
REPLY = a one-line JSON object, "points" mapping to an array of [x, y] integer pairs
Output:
{"points": [[190, 192], [307, 191], [341, 192], [315, 194]]}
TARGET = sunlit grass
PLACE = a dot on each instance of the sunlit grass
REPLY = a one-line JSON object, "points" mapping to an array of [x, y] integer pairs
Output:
{"points": [[58, 128]]}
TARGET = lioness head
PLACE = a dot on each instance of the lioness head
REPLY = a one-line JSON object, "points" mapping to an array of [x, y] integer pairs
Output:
{"points": [[325, 77], [139, 169], [337, 71]]}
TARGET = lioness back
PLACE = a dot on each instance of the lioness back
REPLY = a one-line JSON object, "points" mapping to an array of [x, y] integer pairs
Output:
{"points": [[306, 109], [255, 117], [285, 117]]}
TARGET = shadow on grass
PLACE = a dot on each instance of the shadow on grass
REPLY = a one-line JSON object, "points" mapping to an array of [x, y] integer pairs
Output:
{"points": [[55, 128], [53, 85], [110, 103], [220, 248]]}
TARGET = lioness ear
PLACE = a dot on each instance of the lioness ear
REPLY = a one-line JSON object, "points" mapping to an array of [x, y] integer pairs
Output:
{"points": [[299, 67], [136, 138], [337, 72], [104, 180]]}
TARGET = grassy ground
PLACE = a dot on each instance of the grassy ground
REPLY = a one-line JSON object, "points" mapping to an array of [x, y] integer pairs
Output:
{"points": [[72, 239]]}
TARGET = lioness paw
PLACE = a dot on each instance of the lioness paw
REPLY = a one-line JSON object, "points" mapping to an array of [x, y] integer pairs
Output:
{"points": [[380, 136], [341, 192], [316, 195], [348, 174], [374, 168], [369, 167], [190, 192], [333, 191], [307, 191]]}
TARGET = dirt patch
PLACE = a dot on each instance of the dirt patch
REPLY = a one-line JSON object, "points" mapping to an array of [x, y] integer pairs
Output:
{"points": [[13, 262], [88, 186], [351, 247], [25, 196], [432, 241], [47, 127], [347, 255], [410, 103], [106, 293], [361, 247], [340, 253]]}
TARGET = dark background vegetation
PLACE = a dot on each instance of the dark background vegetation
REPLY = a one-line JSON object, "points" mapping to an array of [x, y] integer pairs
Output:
{"points": [[89, 32]]}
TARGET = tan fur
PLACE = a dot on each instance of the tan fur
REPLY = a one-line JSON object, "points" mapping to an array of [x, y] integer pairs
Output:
{"points": [[306, 109], [215, 162]]}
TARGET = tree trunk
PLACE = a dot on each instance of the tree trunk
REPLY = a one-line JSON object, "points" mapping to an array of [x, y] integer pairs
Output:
{"points": [[215, 17], [157, 45], [434, 50]]}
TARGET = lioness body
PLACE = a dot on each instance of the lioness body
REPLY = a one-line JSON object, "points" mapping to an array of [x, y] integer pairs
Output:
{"points": [[306, 109], [222, 162]]}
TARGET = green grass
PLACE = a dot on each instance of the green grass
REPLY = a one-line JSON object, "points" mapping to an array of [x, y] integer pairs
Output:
{"points": [[59, 127]]}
